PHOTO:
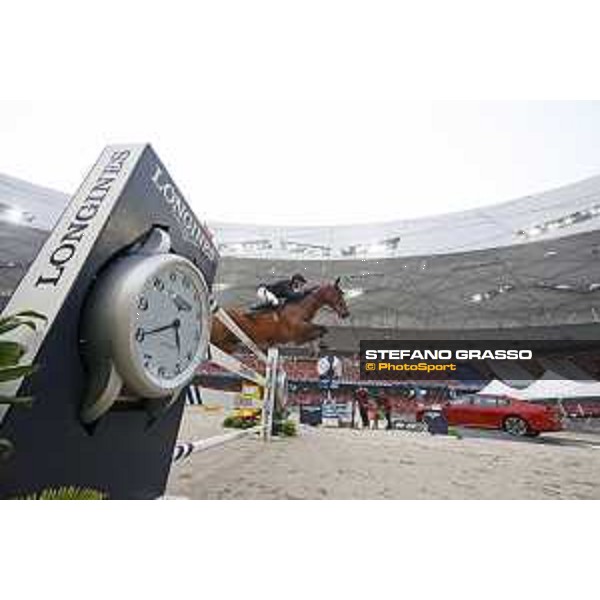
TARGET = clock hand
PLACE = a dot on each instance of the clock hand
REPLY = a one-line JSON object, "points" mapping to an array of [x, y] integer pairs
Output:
{"points": [[180, 303], [177, 338], [175, 323]]}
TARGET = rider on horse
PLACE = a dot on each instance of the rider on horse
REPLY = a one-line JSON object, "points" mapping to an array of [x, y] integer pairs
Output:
{"points": [[292, 323], [275, 294]]}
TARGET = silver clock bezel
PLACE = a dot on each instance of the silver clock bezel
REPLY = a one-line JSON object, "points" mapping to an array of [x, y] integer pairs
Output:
{"points": [[111, 322]]}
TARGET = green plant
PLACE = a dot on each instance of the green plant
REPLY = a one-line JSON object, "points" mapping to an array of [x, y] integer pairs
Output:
{"points": [[288, 428], [454, 433], [237, 422], [10, 369], [228, 422], [11, 353], [67, 493], [285, 428]]}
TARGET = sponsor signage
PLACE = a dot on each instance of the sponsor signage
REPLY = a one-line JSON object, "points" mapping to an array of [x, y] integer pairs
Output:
{"points": [[128, 452], [50, 278]]}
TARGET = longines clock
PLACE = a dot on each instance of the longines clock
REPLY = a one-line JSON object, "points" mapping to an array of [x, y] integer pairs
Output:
{"points": [[122, 280], [146, 326]]}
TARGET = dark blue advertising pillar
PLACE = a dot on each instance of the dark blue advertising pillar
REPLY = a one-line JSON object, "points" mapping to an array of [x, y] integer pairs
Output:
{"points": [[123, 282]]}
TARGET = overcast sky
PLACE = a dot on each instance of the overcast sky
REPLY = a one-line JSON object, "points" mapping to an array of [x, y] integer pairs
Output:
{"points": [[278, 115]]}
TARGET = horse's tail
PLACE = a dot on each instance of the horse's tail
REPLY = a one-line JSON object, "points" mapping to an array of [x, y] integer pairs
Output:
{"points": [[222, 337]]}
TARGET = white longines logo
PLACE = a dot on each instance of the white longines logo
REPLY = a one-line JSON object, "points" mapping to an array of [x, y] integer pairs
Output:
{"points": [[192, 230], [69, 242]]}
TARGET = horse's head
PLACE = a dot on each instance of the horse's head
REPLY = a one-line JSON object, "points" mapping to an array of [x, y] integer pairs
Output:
{"points": [[333, 296]]}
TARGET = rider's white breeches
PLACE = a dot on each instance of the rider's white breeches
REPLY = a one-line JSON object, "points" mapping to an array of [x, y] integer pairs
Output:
{"points": [[267, 297]]}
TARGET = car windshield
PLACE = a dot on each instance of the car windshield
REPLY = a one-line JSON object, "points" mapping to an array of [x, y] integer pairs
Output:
{"points": [[462, 400], [485, 401], [479, 400]]}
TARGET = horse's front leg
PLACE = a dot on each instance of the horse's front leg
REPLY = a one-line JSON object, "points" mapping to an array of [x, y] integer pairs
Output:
{"points": [[322, 330], [312, 332]]}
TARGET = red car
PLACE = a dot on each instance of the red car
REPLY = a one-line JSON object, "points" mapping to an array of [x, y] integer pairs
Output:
{"points": [[516, 417]]}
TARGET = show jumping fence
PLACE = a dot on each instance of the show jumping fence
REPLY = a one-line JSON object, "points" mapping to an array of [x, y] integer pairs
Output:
{"points": [[273, 383]]}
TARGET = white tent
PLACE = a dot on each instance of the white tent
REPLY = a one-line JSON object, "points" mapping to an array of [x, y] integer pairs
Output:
{"points": [[512, 372], [497, 388], [551, 385]]}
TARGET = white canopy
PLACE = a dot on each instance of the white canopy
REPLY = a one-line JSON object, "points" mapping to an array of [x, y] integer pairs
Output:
{"points": [[498, 388], [551, 385]]}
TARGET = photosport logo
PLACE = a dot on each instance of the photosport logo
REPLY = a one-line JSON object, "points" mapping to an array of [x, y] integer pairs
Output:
{"points": [[454, 359]]}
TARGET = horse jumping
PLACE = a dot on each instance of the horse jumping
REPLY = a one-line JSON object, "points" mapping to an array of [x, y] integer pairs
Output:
{"points": [[291, 323]]}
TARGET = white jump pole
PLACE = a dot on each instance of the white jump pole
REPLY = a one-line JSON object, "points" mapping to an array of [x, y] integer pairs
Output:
{"points": [[230, 363], [184, 449], [238, 332], [226, 361], [269, 393]]}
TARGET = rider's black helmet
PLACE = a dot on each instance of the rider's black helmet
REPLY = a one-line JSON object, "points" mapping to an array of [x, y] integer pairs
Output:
{"points": [[298, 278]]}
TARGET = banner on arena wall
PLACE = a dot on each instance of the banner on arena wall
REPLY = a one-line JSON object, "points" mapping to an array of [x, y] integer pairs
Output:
{"points": [[344, 411], [250, 396], [330, 413], [335, 412]]}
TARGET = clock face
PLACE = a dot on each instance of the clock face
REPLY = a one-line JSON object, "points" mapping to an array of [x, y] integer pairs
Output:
{"points": [[167, 325]]}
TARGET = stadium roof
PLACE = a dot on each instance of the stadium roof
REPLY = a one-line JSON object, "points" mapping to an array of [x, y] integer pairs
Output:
{"points": [[529, 265], [550, 215]]}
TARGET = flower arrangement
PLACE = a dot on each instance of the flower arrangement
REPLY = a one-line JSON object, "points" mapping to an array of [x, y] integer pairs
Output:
{"points": [[243, 418]]}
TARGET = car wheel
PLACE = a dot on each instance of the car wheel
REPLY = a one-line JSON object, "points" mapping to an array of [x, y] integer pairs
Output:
{"points": [[516, 426]]}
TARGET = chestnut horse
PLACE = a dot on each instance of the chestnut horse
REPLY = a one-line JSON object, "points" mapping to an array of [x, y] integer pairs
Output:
{"points": [[289, 324]]}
